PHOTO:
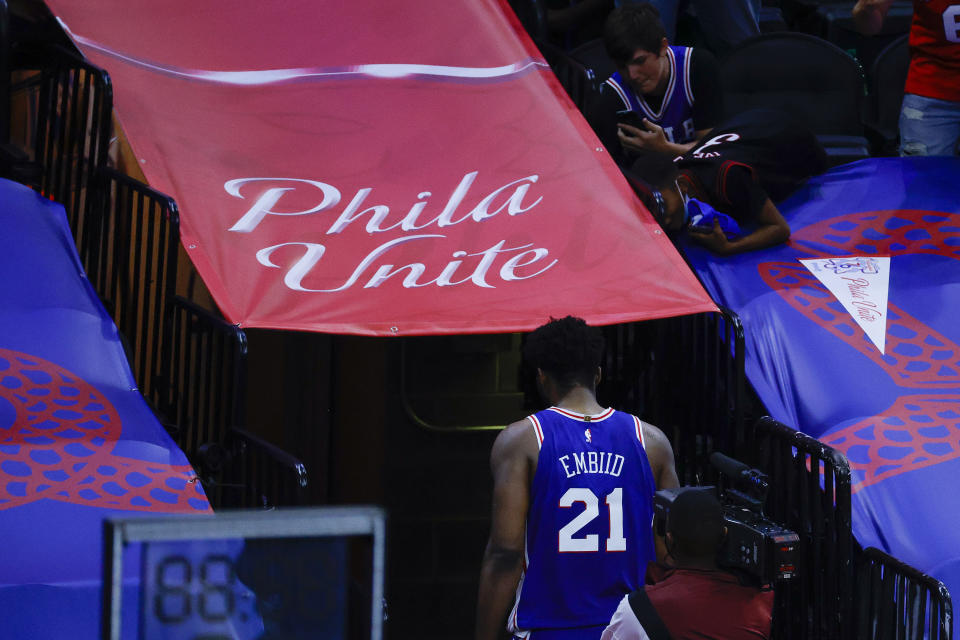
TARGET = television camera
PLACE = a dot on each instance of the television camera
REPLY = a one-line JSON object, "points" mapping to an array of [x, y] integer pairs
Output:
{"points": [[754, 544]]}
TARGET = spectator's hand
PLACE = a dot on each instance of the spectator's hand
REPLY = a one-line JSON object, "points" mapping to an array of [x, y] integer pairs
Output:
{"points": [[868, 15], [712, 238], [653, 139]]}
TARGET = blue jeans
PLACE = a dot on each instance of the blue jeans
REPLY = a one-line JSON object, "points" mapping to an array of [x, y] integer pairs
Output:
{"points": [[929, 127], [725, 23]]}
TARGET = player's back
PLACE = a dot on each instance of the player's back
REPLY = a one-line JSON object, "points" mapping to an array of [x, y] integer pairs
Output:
{"points": [[589, 535]]}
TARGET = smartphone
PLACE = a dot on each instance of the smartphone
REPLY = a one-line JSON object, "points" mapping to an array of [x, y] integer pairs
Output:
{"points": [[632, 118]]}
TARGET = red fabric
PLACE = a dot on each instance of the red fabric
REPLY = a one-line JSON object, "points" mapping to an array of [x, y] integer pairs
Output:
{"points": [[704, 605], [560, 233], [935, 50]]}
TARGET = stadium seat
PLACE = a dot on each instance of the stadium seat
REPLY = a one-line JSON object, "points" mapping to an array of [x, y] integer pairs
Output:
{"points": [[887, 77], [805, 76], [834, 23], [593, 56], [770, 20]]}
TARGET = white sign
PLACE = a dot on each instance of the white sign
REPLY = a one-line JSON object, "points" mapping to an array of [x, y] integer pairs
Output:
{"points": [[861, 285]]}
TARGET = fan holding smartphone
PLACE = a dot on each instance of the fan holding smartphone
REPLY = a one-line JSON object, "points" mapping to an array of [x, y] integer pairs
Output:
{"points": [[672, 91]]}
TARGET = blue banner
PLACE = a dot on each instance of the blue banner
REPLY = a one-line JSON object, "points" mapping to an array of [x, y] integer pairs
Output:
{"points": [[77, 441], [857, 345]]}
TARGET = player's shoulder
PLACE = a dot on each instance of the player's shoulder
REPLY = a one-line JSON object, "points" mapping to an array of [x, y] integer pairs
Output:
{"points": [[653, 435], [518, 438]]}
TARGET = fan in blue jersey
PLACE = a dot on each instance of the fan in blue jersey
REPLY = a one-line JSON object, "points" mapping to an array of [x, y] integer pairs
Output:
{"points": [[571, 531], [662, 98]]}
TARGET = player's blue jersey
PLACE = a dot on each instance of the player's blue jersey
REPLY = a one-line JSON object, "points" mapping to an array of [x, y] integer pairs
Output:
{"points": [[589, 528], [675, 114]]}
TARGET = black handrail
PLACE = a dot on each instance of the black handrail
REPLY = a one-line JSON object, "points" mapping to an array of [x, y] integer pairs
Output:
{"points": [[897, 602], [689, 381], [258, 474], [129, 251], [206, 363], [810, 494], [71, 136], [578, 81]]}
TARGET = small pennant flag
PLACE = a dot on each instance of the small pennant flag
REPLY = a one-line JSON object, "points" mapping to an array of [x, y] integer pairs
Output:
{"points": [[860, 284]]}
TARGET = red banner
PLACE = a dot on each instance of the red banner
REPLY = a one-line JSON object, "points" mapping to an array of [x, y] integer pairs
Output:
{"points": [[378, 168]]}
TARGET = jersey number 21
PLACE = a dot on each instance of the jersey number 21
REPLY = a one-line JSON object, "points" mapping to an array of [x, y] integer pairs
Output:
{"points": [[570, 541]]}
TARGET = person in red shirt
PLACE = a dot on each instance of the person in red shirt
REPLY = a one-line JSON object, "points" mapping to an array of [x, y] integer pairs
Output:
{"points": [[696, 600], [930, 115]]}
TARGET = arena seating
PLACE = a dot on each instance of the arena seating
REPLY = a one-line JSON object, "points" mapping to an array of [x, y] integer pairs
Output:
{"points": [[834, 22], [815, 70], [805, 76]]}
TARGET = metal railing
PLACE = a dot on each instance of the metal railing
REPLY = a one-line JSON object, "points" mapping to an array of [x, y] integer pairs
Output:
{"points": [[129, 251], [70, 136], [897, 602], [188, 362], [259, 475], [578, 81], [810, 494], [201, 398], [689, 381]]}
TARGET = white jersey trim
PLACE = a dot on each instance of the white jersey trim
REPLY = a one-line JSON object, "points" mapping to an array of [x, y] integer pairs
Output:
{"points": [[687, 84], [620, 92], [583, 417], [638, 423], [667, 95], [537, 430], [512, 626]]}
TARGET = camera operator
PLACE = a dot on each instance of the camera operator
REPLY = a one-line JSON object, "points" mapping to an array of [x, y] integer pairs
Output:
{"points": [[696, 598]]}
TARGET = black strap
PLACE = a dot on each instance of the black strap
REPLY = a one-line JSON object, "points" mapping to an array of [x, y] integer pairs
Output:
{"points": [[647, 615]]}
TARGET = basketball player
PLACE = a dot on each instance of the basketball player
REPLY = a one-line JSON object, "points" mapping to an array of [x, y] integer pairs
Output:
{"points": [[673, 91], [571, 531], [930, 113]]}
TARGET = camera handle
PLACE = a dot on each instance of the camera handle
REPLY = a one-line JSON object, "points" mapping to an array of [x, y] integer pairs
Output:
{"points": [[750, 485]]}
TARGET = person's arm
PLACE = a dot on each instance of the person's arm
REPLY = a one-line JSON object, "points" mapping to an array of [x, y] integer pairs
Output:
{"points": [[660, 456], [511, 462], [663, 466], [653, 139], [868, 15], [772, 229]]}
